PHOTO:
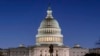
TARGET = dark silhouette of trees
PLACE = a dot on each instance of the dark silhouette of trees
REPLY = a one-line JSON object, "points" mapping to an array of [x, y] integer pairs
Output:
{"points": [[51, 50], [92, 54], [1, 54]]}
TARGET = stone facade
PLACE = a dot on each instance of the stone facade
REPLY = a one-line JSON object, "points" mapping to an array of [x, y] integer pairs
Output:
{"points": [[77, 50], [95, 50], [44, 51]]}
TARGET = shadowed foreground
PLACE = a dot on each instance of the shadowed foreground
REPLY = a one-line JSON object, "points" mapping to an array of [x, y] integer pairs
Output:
{"points": [[92, 54]]}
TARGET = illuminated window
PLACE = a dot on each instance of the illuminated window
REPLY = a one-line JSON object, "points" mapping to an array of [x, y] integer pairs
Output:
{"points": [[47, 39], [56, 39], [41, 39], [52, 38], [44, 38]]}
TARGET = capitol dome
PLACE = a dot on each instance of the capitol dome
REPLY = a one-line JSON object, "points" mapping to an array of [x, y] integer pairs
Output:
{"points": [[49, 23], [49, 31]]}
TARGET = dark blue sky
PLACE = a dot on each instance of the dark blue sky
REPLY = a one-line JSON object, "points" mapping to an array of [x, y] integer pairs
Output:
{"points": [[20, 19]]}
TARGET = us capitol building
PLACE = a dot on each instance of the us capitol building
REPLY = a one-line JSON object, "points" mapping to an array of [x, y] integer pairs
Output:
{"points": [[49, 32]]}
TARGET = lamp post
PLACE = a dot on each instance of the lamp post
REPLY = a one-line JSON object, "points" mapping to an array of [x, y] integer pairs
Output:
{"points": [[51, 50]]}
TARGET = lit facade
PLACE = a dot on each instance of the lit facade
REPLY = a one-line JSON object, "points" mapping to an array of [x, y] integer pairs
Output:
{"points": [[95, 50], [44, 51]]}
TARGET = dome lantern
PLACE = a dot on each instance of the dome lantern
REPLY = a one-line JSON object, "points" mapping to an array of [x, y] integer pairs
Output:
{"points": [[49, 13]]}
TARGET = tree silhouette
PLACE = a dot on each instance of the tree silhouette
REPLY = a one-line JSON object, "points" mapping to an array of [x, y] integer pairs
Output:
{"points": [[51, 50], [92, 54], [1, 54]]}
